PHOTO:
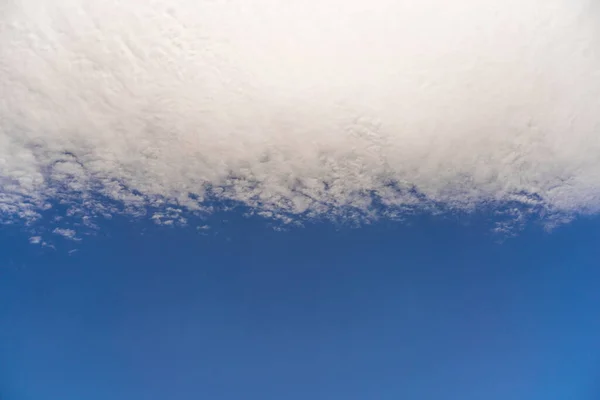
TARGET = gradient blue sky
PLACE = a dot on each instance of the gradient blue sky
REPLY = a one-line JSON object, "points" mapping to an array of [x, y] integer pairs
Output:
{"points": [[430, 309]]}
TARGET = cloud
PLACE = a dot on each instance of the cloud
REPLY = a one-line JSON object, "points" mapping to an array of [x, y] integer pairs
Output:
{"points": [[347, 109], [66, 233]]}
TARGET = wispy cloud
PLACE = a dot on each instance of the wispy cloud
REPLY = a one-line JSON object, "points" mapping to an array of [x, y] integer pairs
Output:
{"points": [[66, 233], [320, 107]]}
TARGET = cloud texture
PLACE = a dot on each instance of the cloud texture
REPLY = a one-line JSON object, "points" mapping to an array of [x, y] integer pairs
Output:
{"points": [[312, 108]]}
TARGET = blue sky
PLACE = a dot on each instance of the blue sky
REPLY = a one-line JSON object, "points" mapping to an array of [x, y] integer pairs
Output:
{"points": [[431, 309]]}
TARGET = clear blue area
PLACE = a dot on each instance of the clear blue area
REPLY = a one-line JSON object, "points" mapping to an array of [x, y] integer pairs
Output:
{"points": [[434, 309]]}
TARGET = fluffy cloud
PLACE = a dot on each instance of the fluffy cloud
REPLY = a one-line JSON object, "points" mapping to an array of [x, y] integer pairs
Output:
{"points": [[66, 233], [297, 109]]}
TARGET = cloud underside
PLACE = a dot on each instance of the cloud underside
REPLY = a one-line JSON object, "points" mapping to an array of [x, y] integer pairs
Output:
{"points": [[330, 108]]}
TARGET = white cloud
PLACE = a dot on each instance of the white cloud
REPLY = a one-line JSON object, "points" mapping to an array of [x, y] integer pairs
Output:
{"points": [[313, 107], [66, 233]]}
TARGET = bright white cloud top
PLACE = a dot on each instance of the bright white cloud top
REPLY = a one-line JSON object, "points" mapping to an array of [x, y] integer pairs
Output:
{"points": [[299, 108]]}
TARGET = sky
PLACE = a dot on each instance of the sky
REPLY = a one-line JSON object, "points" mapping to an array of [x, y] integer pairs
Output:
{"points": [[323, 199], [436, 309]]}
